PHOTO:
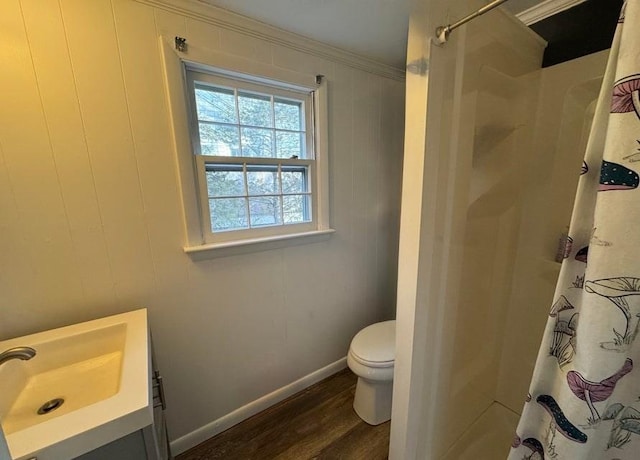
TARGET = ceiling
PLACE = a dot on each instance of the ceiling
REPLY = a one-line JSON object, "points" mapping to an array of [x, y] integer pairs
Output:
{"points": [[376, 29]]}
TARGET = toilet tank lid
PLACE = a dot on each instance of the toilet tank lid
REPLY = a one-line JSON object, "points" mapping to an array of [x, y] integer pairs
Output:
{"points": [[376, 343]]}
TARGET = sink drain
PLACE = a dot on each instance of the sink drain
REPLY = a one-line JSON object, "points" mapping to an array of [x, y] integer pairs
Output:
{"points": [[50, 406]]}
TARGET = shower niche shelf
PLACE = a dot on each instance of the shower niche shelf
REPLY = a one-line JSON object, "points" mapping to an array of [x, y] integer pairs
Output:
{"points": [[495, 95], [489, 137], [496, 162], [500, 84]]}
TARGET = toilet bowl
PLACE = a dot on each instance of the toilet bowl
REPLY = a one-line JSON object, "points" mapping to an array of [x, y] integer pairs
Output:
{"points": [[371, 357]]}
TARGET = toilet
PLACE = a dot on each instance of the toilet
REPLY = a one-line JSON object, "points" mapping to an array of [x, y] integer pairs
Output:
{"points": [[371, 357]]}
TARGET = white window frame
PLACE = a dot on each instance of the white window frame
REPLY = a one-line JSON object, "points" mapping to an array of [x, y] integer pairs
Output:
{"points": [[306, 96], [190, 165]]}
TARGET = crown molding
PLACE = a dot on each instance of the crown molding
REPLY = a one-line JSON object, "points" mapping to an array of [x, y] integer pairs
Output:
{"points": [[232, 21], [545, 9]]}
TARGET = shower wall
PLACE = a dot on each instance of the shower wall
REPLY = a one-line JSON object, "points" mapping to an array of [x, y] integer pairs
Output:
{"points": [[503, 142], [566, 101], [529, 138], [493, 112], [520, 142]]}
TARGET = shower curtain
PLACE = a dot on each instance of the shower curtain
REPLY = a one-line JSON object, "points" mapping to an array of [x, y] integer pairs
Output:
{"points": [[584, 399]]}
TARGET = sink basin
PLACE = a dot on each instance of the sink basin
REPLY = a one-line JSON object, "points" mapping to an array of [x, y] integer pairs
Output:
{"points": [[90, 382]]}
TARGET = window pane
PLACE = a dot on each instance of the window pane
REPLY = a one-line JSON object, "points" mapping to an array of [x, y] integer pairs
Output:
{"points": [[219, 140], [228, 213], [261, 182], [257, 142], [265, 210], [289, 145], [255, 110], [288, 115], [216, 104], [225, 183], [295, 209], [293, 180]]}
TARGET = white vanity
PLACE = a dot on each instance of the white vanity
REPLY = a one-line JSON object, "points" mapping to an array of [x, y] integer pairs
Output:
{"points": [[91, 392]]}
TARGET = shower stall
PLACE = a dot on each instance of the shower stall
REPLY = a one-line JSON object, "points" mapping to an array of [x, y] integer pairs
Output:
{"points": [[493, 150]]}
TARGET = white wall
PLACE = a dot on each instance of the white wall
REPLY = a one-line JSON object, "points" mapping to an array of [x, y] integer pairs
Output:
{"points": [[460, 208], [90, 216], [562, 124], [495, 147]]}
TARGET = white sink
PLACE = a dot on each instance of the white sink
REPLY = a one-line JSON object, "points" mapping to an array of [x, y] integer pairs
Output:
{"points": [[99, 368]]}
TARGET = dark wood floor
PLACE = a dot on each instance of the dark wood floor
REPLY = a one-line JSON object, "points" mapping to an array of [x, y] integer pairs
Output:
{"points": [[317, 423]]}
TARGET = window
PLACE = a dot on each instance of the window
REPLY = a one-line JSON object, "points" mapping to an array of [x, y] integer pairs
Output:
{"points": [[254, 150], [251, 149]]}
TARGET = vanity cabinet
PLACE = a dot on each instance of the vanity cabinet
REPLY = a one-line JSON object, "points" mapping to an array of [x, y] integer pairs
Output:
{"points": [[130, 447], [151, 442]]}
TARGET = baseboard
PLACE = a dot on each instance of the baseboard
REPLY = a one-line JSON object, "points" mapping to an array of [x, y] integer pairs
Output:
{"points": [[225, 422]]}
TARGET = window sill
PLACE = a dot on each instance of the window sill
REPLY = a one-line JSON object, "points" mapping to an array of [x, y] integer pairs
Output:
{"points": [[212, 250]]}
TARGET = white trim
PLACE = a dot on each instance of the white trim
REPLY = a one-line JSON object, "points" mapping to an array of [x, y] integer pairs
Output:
{"points": [[321, 151], [231, 77], [175, 65], [232, 21], [202, 59], [545, 9], [225, 422], [264, 243], [306, 98]]}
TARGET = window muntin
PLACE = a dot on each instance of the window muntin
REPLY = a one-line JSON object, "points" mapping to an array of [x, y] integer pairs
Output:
{"points": [[235, 122], [245, 196], [255, 158]]}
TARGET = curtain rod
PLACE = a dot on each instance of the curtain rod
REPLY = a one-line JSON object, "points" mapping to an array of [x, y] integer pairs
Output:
{"points": [[442, 32]]}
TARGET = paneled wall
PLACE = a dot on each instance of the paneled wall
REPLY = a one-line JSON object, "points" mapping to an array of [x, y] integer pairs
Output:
{"points": [[90, 215]]}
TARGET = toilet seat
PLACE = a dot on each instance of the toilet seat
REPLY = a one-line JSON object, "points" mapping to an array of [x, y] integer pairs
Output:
{"points": [[376, 364], [374, 346]]}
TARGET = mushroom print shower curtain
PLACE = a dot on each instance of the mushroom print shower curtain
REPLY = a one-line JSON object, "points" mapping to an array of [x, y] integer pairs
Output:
{"points": [[584, 399]]}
